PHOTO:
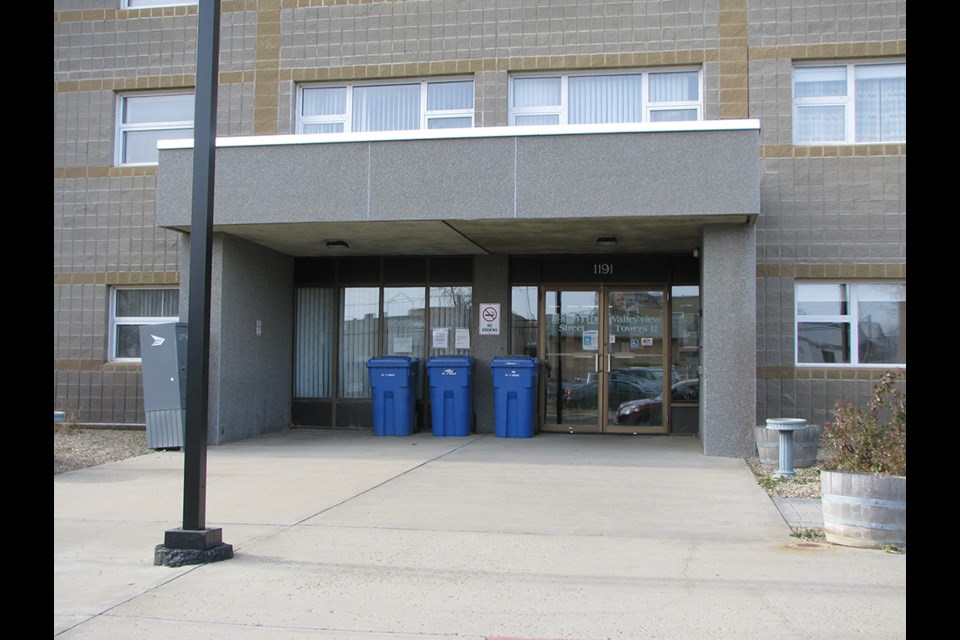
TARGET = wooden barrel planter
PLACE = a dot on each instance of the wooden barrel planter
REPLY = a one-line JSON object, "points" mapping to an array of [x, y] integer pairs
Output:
{"points": [[864, 509], [806, 443]]}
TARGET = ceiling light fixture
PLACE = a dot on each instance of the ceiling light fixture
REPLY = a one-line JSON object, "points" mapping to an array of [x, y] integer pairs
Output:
{"points": [[337, 245], [606, 241]]}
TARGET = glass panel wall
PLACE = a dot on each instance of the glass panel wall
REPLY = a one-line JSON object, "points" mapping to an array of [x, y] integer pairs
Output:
{"points": [[403, 309], [358, 339], [523, 321], [413, 324], [685, 333], [450, 311]]}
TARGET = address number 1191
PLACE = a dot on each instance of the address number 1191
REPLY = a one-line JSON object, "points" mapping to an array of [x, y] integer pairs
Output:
{"points": [[602, 268]]}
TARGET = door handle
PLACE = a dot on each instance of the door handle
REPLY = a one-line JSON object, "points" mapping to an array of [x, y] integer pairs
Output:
{"points": [[596, 362], [608, 363]]}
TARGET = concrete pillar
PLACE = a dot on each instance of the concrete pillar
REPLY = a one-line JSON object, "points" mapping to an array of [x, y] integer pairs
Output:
{"points": [[251, 338], [728, 357], [491, 283]]}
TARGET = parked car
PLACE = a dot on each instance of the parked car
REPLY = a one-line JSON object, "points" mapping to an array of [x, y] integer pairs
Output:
{"points": [[650, 410], [620, 390]]}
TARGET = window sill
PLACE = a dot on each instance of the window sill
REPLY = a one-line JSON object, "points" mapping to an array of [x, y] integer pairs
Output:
{"points": [[122, 365]]}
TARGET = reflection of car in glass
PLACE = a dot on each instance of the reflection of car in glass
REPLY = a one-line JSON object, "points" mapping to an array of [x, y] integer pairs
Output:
{"points": [[641, 373], [619, 390], [650, 410]]}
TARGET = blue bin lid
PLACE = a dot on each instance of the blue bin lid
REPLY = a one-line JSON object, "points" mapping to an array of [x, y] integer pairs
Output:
{"points": [[450, 361], [515, 362], [392, 361]]}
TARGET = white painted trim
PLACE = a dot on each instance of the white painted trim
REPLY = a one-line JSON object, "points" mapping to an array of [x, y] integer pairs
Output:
{"points": [[475, 132]]}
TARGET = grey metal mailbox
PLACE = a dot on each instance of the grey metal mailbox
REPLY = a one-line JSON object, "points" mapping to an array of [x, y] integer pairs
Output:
{"points": [[163, 355]]}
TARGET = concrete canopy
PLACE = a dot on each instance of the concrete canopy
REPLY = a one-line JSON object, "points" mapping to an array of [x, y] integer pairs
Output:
{"points": [[493, 190]]}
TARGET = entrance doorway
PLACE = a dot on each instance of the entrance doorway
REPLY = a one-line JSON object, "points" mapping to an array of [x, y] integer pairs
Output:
{"points": [[607, 357]]}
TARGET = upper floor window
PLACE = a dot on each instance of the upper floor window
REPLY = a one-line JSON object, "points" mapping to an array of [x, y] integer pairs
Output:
{"points": [[145, 118], [850, 103], [591, 98], [132, 307], [143, 4], [851, 323], [385, 106]]}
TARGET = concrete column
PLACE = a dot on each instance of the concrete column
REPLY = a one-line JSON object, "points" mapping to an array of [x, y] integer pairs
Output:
{"points": [[728, 357], [250, 373], [491, 283]]}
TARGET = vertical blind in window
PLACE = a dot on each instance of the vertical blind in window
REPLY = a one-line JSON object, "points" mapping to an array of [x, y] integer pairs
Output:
{"points": [[324, 103], [396, 106], [386, 108], [605, 98], [453, 98], [316, 330], [669, 92], [445, 96], [135, 307], [147, 303], [596, 99], [854, 103]]}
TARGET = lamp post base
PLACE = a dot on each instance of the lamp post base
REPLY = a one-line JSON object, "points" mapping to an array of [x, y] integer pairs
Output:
{"points": [[184, 547]]}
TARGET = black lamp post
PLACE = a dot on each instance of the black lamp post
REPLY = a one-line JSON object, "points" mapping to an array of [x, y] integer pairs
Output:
{"points": [[194, 543]]}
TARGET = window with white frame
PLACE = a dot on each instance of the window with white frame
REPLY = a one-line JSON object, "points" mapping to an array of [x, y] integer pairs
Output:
{"points": [[610, 97], [145, 118], [851, 103], [851, 323], [135, 306], [385, 106]]}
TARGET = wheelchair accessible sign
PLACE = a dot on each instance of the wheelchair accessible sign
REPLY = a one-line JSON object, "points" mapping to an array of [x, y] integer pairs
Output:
{"points": [[489, 318]]}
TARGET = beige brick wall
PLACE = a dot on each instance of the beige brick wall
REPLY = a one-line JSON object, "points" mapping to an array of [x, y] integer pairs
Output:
{"points": [[827, 211]]}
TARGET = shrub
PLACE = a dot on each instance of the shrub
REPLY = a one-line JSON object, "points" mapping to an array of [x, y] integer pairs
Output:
{"points": [[873, 439]]}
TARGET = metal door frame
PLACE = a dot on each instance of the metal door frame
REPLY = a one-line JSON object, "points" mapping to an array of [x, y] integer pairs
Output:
{"points": [[602, 362]]}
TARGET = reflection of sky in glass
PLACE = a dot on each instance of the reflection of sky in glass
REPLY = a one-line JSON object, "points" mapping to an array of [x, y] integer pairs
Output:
{"points": [[580, 303], [881, 303], [459, 298], [685, 292], [524, 302], [821, 299], [399, 301], [359, 302]]}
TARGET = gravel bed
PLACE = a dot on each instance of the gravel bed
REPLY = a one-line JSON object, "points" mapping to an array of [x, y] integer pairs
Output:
{"points": [[75, 448], [806, 484]]}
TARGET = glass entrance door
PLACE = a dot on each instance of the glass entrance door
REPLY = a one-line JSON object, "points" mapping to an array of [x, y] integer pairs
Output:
{"points": [[635, 361], [605, 356]]}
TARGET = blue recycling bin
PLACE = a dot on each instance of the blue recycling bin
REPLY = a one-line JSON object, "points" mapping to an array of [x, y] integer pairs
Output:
{"points": [[393, 380], [451, 394], [514, 395]]}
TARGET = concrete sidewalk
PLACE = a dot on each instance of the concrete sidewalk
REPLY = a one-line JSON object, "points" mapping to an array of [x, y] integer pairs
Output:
{"points": [[346, 535]]}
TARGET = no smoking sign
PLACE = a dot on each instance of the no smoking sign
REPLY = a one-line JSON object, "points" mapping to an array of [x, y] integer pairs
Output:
{"points": [[489, 319]]}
